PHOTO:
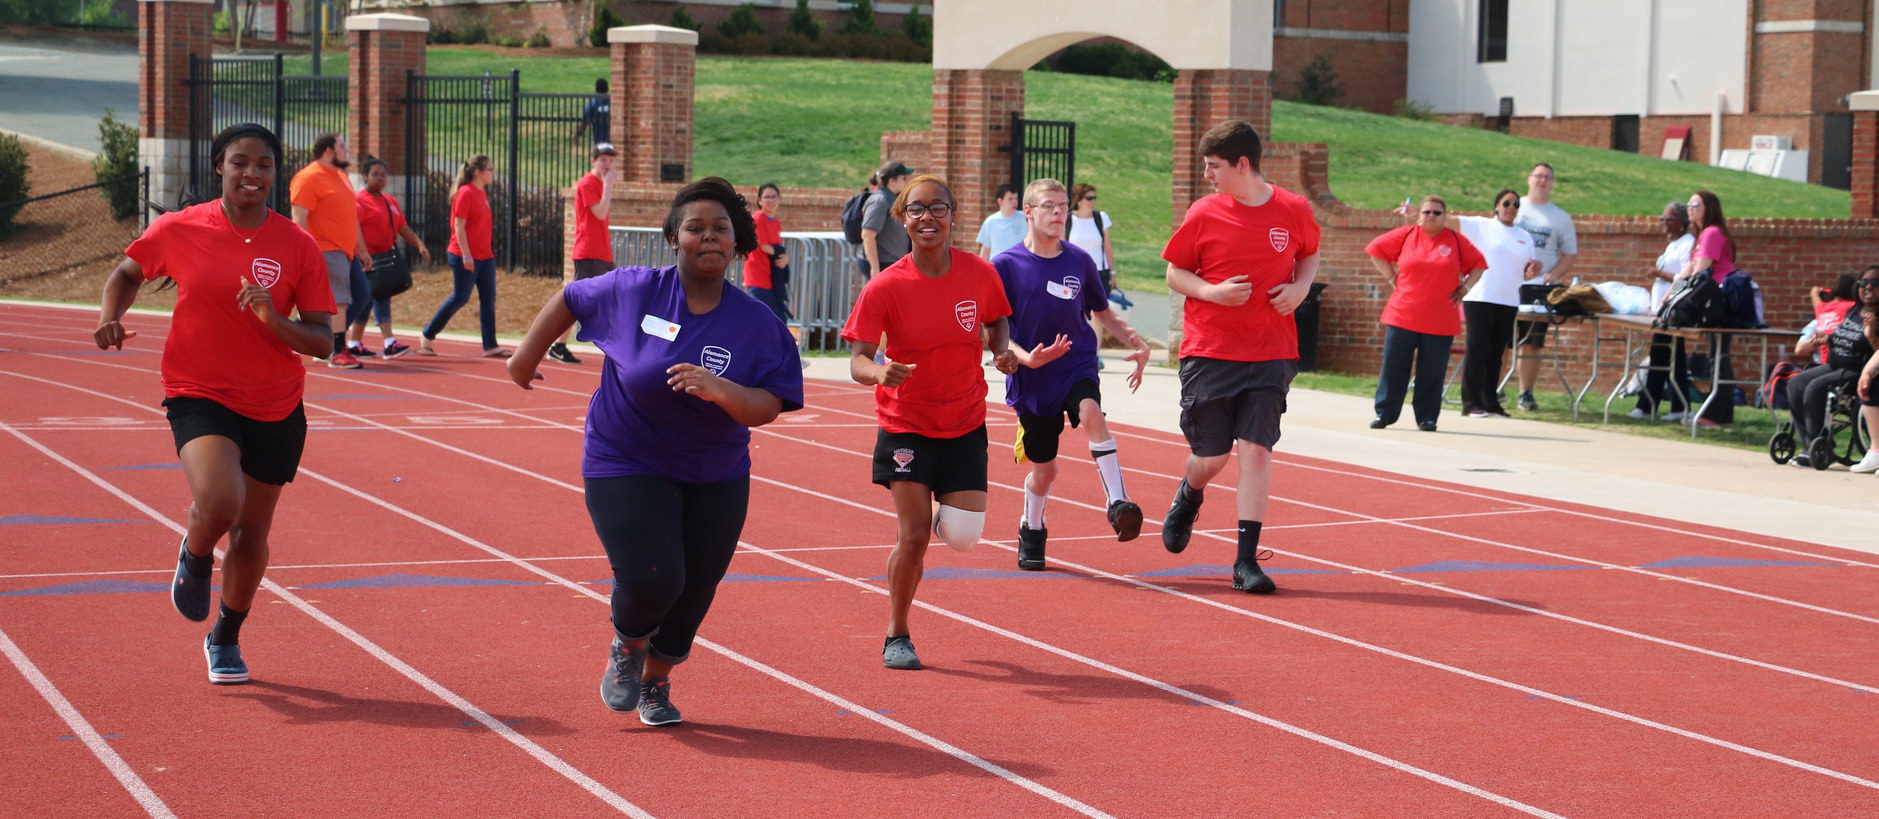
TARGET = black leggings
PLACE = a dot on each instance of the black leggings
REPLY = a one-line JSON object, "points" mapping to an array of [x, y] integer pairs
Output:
{"points": [[1807, 400], [669, 544], [1490, 333]]}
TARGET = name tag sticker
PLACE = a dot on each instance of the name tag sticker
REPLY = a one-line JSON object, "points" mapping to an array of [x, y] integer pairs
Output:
{"points": [[1059, 290], [655, 326]]}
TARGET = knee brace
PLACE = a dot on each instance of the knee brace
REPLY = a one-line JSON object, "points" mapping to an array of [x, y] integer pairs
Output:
{"points": [[958, 527]]}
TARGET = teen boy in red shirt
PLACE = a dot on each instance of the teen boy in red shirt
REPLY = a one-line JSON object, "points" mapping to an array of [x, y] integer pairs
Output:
{"points": [[1245, 258]]}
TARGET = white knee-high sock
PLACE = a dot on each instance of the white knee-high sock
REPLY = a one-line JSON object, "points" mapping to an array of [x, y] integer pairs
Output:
{"points": [[1033, 507], [1110, 468]]}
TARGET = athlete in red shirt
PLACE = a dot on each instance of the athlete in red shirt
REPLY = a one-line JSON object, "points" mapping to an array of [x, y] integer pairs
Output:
{"points": [[593, 244], [1245, 258], [930, 394], [232, 374]]}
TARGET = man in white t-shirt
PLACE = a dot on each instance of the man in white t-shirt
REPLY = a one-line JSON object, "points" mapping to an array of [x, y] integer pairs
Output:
{"points": [[1005, 228], [1555, 245]]}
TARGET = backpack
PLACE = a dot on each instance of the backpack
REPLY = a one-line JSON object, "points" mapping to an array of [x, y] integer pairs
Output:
{"points": [[1694, 301], [1742, 300], [852, 211], [1774, 393]]}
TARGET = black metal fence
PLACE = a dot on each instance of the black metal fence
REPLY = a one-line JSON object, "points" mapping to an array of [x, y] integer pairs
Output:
{"points": [[530, 138], [1042, 148], [72, 229], [225, 91]]}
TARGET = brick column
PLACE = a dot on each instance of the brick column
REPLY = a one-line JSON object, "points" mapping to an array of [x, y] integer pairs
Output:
{"points": [[1203, 99], [971, 143], [384, 47], [168, 33], [1865, 163], [652, 102]]}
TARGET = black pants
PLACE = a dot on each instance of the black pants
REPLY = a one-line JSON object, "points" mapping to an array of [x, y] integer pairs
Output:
{"points": [[1429, 355], [1490, 333], [669, 544], [1807, 400], [1723, 410], [1666, 352]]}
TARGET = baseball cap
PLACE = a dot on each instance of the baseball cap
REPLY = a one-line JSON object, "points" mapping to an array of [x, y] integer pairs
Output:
{"points": [[605, 148], [894, 169]]}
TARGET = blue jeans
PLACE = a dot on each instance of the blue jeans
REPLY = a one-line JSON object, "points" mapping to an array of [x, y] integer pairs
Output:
{"points": [[483, 278], [381, 311], [1429, 355], [777, 299], [361, 288]]}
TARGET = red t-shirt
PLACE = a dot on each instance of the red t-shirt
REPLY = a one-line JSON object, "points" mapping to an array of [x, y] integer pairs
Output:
{"points": [[471, 204], [1428, 269], [1827, 317], [379, 221], [590, 231], [932, 323], [1221, 238], [757, 265], [217, 349]]}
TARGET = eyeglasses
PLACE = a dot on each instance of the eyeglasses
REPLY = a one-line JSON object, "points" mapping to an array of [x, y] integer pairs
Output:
{"points": [[1090, 198], [1866, 283], [1050, 207], [938, 210], [1432, 213]]}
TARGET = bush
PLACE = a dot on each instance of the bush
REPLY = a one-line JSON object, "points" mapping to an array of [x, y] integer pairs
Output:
{"points": [[475, 31], [683, 19], [34, 11], [1411, 109], [603, 20], [916, 28], [218, 22], [894, 47], [116, 165], [802, 22], [860, 19], [443, 36], [743, 20], [1113, 60], [539, 39], [14, 185], [1317, 83], [99, 13]]}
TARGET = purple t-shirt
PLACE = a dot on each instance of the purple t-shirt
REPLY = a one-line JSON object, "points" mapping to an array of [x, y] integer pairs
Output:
{"points": [[1050, 297], [636, 424]]}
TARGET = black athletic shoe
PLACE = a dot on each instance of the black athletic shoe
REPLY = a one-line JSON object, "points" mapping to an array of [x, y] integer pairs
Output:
{"points": [[1031, 547], [619, 686], [1179, 526], [189, 593], [1426, 426], [1248, 578], [561, 353], [1126, 518], [1378, 423], [360, 351]]}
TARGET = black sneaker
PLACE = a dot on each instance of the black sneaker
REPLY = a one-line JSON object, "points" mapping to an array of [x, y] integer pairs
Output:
{"points": [[561, 353], [619, 686], [189, 593], [1527, 403], [655, 703], [360, 351], [1126, 518], [1248, 578], [1031, 547], [1179, 526]]}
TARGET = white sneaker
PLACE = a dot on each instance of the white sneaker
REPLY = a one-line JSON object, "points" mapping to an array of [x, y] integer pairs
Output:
{"points": [[1637, 415], [1870, 463], [1671, 416]]}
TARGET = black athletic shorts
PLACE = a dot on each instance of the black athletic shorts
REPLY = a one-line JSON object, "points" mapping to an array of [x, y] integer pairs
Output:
{"points": [[270, 450], [1223, 401], [1530, 333], [1038, 434], [589, 268], [945, 465]]}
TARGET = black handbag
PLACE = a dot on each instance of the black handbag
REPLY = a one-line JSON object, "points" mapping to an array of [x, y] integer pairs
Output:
{"points": [[390, 275]]}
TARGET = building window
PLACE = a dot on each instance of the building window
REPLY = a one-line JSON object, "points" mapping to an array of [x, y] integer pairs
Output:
{"points": [[1278, 14], [1492, 45]]}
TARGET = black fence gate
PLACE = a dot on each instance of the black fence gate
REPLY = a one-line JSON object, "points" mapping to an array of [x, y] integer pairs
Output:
{"points": [[530, 138], [1042, 148], [226, 91]]}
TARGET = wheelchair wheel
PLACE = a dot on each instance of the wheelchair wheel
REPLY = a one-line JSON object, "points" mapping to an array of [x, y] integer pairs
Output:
{"points": [[1781, 446], [1820, 452]]}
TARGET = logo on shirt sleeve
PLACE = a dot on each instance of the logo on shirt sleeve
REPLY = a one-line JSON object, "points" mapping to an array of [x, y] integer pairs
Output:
{"points": [[1280, 238], [266, 272], [716, 359], [968, 314]]}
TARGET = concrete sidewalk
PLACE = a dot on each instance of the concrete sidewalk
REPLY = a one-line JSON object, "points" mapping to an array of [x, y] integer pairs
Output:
{"points": [[1674, 480]]}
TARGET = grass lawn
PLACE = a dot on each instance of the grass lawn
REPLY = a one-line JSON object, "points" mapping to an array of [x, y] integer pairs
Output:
{"points": [[817, 123]]}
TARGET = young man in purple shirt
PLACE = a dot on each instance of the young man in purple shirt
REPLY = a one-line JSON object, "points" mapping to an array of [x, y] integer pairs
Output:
{"points": [[1054, 289]]}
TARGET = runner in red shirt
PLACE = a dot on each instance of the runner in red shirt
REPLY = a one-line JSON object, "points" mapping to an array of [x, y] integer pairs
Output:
{"points": [[1245, 258], [593, 246], [1433, 268], [232, 374], [930, 394]]}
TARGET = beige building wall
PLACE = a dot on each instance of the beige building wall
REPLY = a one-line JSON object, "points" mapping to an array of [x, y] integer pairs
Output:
{"points": [[1189, 34]]}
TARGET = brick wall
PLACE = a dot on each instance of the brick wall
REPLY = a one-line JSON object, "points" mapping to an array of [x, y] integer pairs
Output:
{"points": [[1807, 130], [566, 23], [905, 146], [971, 137], [1203, 99]]}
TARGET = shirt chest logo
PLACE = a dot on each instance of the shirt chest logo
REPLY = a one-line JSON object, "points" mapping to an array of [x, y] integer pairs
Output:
{"points": [[1066, 290], [1280, 238], [265, 271], [715, 359], [1444, 251], [967, 312]]}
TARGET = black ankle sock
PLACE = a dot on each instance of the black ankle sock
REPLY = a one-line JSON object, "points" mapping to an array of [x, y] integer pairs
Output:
{"points": [[227, 631], [1249, 541], [198, 567], [339, 343]]}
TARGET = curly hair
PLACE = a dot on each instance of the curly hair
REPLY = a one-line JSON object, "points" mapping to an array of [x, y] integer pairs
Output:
{"points": [[715, 189]]}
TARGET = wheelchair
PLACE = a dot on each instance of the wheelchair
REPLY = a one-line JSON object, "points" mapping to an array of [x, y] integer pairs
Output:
{"points": [[1842, 439]]}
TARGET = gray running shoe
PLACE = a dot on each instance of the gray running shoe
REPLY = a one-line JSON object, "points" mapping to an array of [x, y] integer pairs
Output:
{"points": [[189, 593], [898, 654], [619, 685], [225, 665], [655, 703]]}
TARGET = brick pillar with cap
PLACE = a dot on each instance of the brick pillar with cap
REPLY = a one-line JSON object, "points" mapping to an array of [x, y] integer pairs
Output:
{"points": [[383, 48], [169, 32], [651, 85], [1865, 105], [1203, 99], [972, 140]]}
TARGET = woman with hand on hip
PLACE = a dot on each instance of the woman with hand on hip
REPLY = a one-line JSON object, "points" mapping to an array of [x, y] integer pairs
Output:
{"points": [[1431, 267]]}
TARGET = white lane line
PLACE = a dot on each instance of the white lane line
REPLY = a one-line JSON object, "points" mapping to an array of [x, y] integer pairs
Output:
{"points": [[81, 728]]}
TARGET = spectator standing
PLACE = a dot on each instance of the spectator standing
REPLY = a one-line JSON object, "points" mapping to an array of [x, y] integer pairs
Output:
{"points": [[324, 205], [1431, 268], [593, 245], [1089, 228], [1492, 304], [1666, 376], [1713, 256], [1001, 230], [1245, 258], [472, 259], [382, 224], [597, 117], [884, 239], [766, 272], [1555, 244]]}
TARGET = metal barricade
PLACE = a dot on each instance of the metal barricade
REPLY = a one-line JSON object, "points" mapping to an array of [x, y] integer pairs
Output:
{"points": [[821, 286]]}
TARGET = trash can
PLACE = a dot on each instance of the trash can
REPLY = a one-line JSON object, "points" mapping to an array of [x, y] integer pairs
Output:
{"points": [[1306, 317]]}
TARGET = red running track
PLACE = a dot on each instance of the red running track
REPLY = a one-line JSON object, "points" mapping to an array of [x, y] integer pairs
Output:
{"points": [[439, 623]]}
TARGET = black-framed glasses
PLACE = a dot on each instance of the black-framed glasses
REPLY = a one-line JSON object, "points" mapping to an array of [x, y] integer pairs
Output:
{"points": [[1433, 212], [938, 210]]}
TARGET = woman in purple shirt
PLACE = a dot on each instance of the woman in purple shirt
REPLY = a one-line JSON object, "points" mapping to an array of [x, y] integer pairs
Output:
{"points": [[1714, 256], [691, 365]]}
